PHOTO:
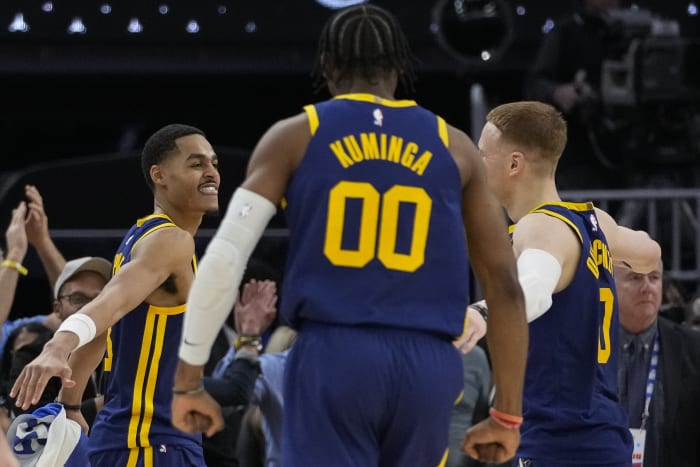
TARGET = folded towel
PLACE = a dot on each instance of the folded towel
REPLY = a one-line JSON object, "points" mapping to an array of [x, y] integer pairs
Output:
{"points": [[46, 438]]}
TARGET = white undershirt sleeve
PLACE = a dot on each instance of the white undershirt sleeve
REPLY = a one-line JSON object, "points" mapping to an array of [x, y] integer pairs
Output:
{"points": [[538, 273]]}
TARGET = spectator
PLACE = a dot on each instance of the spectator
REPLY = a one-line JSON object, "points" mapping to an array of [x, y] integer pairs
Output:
{"points": [[81, 280], [567, 74], [19, 344], [29, 226], [693, 319], [659, 375], [472, 405], [220, 449]]}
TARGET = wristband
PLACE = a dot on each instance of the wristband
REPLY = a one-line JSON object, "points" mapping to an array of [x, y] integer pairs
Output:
{"points": [[8, 263], [189, 392], [248, 339], [481, 307], [505, 420], [81, 325], [70, 406]]}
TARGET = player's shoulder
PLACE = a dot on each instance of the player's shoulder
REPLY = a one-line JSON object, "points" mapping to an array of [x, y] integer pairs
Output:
{"points": [[289, 128], [538, 220], [291, 123], [171, 239], [540, 224], [463, 151], [459, 141]]}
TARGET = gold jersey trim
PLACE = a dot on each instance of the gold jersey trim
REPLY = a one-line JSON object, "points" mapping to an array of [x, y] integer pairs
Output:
{"points": [[376, 100], [312, 115], [150, 231], [442, 131], [585, 206], [167, 310], [142, 405], [141, 221], [134, 457]]}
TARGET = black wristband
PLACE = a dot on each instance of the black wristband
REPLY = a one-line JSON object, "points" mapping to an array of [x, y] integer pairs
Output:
{"points": [[483, 310], [71, 406]]}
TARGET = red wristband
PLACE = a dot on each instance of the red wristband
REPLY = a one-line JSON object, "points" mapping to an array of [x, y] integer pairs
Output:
{"points": [[504, 419]]}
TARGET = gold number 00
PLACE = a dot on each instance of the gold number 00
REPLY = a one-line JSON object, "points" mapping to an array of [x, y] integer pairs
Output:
{"points": [[369, 221], [607, 299]]}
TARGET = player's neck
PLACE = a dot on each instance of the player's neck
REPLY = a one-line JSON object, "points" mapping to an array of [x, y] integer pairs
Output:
{"points": [[381, 88], [186, 221], [529, 195]]}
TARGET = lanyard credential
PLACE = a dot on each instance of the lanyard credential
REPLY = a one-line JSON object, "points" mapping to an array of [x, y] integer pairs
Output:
{"points": [[651, 379]]}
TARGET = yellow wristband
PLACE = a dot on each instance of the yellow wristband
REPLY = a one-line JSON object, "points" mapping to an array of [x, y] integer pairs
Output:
{"points": [[8, 263]]}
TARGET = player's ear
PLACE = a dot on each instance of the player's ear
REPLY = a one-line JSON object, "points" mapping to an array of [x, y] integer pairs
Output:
{"points": [[156, 174], [517, 160]]}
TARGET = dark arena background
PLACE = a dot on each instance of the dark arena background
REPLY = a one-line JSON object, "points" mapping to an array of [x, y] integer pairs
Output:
{"points": [[85, 82]]}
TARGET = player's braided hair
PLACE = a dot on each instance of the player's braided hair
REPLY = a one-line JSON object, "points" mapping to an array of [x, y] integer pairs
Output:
{"points": [[363, 41]]}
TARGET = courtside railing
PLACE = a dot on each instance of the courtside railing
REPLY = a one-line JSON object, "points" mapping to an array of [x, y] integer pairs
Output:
{"points": [[671, 216]]}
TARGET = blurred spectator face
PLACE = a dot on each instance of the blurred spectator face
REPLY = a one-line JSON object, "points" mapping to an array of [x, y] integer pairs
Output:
{"points": [[23, 338], [694, 319], [77, 292], [24, 355], [639, 297]]}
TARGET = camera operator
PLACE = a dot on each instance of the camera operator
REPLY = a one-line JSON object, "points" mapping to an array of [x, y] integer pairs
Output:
{"points": [[567, 74], [620, 76]]}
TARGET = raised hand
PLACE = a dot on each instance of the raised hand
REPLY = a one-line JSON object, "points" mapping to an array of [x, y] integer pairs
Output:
{"points": [[15, 235], [255, 308], [37, 225]]}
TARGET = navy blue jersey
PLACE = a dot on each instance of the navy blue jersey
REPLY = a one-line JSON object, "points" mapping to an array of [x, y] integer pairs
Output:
{"points": [[374, 213], [570, 402], [140, 367]]}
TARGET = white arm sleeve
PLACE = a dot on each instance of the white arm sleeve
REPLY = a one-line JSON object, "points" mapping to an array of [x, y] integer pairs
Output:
{"points": [[538, 273], [219, 274]]}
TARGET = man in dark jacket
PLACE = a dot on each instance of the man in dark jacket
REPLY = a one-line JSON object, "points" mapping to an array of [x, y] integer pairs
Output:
{"points": [[659, 372]]}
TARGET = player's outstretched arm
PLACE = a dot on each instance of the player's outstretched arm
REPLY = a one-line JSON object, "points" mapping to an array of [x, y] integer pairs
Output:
{"points": [[633, 247], [133, 284]]}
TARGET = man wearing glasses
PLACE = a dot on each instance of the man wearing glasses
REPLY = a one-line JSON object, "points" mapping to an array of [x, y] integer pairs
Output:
{"points": [[79, 282]]}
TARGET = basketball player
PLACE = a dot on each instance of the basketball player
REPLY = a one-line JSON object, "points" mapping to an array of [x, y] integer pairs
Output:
{"points": [[138, 316], [378, 192], [565, 257]]}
